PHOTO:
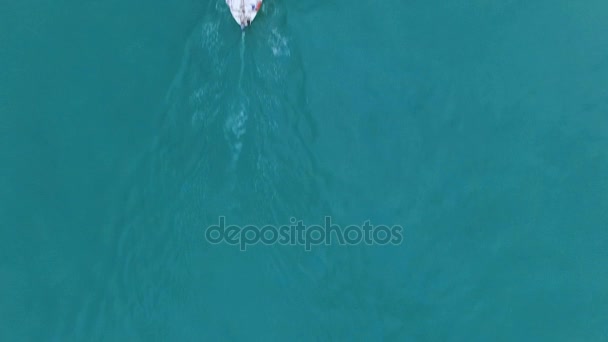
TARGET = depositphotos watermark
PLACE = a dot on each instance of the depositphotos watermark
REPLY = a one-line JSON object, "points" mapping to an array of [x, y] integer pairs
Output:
{"points": [[299, 234]]}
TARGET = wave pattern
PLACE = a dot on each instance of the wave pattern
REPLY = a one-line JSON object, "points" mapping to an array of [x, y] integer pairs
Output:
{"points": [[233, 143]]}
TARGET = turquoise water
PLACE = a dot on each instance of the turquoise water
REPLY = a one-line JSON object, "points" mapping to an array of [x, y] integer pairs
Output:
{"points": [[127, 128]]}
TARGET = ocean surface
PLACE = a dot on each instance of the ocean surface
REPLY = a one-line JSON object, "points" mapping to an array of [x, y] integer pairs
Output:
{"points": [[480, 127]]}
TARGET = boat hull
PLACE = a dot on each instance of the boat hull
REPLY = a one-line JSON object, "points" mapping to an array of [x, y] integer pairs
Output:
{"points": [[244, 11]]}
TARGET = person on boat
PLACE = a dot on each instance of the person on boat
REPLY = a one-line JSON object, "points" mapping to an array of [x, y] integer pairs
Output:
{"points": [[257, 6]]}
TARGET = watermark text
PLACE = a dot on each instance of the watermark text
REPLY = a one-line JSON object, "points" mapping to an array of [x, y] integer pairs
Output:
{"points": [[299, 234]]}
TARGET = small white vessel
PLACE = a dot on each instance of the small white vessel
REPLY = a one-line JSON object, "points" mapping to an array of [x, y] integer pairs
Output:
{"points": [[244, 11]]}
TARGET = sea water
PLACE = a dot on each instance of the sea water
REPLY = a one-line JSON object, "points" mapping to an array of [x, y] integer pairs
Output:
{"points": [[479, 127]]}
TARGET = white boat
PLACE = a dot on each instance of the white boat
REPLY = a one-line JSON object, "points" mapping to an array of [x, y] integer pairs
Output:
{"points": [[244, 11]]}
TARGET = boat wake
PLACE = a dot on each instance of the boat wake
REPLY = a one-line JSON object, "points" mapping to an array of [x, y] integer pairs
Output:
{"points": [[231, 142]]}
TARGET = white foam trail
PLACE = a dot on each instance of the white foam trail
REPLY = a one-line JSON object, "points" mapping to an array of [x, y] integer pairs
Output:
{"points": [[235, 127], [234, 130], [242, 61]]}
